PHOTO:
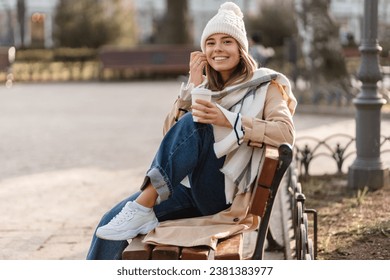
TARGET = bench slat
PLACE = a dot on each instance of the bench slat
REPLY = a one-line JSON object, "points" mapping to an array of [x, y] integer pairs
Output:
{"points": [[195, 253], [137, 250], [230, 249], [166, 252]]}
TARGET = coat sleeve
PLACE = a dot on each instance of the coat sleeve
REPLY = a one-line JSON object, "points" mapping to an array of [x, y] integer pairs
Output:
{"points": [[277, 125], [179, 108]]}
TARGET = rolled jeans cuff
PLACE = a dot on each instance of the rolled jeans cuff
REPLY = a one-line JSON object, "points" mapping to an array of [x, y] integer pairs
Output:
{"points": [[159, 181]]}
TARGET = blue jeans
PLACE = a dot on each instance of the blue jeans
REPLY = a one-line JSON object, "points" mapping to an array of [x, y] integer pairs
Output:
{"points": [[187, 149]]}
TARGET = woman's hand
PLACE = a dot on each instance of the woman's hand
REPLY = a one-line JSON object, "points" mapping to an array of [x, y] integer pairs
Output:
{"points": [[208, 112], [198, 62]]}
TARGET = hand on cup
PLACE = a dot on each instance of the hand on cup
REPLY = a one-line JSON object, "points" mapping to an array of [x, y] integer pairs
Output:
{"points": [[205, 111]]}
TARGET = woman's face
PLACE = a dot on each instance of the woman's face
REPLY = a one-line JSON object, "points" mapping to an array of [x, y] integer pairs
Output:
{"points": [[222, 53]]}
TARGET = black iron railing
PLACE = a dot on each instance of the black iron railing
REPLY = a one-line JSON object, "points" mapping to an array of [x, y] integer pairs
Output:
{"points": [[338, 147], [303, 231]]}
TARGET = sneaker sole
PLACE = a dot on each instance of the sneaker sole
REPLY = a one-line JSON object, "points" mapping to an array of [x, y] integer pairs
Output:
{"points": [[120, 236]]}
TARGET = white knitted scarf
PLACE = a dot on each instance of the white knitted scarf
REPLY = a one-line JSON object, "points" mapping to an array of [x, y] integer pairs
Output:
{"points": [[243, 161]]}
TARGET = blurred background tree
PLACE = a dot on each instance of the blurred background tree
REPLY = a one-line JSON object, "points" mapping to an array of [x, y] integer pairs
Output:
{"points": [[174, 26], [307, 47], [275, 23], [322, 52], [123, 15], [276, 26], [84, 23]]}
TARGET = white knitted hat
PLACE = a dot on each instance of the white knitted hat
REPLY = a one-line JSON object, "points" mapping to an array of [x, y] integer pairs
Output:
{"points": [[228, 20]]}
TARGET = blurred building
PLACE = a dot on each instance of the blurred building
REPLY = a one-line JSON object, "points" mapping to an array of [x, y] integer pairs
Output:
{"points": [[39, 16], [349, 15]]}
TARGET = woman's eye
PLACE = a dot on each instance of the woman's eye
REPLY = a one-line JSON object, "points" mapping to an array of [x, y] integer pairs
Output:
{"points": [[210, 43], [227, 42]]}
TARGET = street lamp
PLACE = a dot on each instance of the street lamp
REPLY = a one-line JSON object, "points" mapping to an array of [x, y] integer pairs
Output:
{"points": [[368, 170]]}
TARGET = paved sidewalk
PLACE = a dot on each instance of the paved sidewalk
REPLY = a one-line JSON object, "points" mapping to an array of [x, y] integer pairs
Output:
{"points": [[70, 151]]}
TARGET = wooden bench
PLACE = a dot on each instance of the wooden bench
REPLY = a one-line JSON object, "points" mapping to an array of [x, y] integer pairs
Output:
{"points": [[276, 163], [151, 60]]}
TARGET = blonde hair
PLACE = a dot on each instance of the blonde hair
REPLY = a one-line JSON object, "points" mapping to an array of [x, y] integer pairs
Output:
{"points": [[243, 72]]}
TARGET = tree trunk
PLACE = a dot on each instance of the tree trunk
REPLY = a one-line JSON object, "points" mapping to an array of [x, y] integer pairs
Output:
{"points": [[21, 10], [174, 27]]}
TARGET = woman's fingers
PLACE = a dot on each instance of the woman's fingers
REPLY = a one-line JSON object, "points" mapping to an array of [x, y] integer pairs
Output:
{"points": [[197, 59], [197, 56], [197, 63], [204, 106], [208, 112], [205, 110]]}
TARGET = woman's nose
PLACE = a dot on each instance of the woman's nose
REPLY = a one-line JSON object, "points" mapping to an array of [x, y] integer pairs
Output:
{"points": [[218, 47]]}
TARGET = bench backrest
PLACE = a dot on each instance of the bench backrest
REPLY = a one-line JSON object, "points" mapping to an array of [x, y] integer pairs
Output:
{"points": [[276, 162], [169, 58]]}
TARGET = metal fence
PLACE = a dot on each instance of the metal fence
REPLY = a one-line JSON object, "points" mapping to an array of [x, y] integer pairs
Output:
{"points": [[337, 147], [298, 224]]}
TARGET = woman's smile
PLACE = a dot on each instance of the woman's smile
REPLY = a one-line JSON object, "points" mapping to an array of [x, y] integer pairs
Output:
{"points": [[220, 58]]}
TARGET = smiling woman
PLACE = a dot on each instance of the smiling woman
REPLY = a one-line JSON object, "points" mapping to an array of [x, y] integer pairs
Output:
{"points": [[206, 169]]}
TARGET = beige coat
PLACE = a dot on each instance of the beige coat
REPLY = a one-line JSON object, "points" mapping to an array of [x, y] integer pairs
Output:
{"points": [[274, 129]]}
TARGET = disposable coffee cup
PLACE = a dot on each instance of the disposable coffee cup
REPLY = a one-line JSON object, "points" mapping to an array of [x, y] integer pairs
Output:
{"points": [[200, 93]]}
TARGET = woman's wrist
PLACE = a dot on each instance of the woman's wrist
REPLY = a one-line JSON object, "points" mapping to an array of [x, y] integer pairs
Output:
{"points": [[195, 81]]}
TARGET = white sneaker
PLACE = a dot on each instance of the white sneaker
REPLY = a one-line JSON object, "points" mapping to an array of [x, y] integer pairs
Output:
{"points": [[129, 222]]}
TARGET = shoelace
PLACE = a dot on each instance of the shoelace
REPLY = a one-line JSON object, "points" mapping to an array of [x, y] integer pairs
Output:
{"points": [[124, 215]]}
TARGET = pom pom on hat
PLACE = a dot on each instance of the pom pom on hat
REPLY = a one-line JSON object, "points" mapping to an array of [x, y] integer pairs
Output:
{"points": [[230, 6], [228, 20]]}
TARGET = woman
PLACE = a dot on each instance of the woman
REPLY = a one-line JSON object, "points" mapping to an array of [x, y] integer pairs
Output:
{"points": [[203, 169]]}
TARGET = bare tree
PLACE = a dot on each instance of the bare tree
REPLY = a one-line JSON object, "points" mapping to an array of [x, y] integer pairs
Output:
{"points": [[322, 52], [83, 23]]}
